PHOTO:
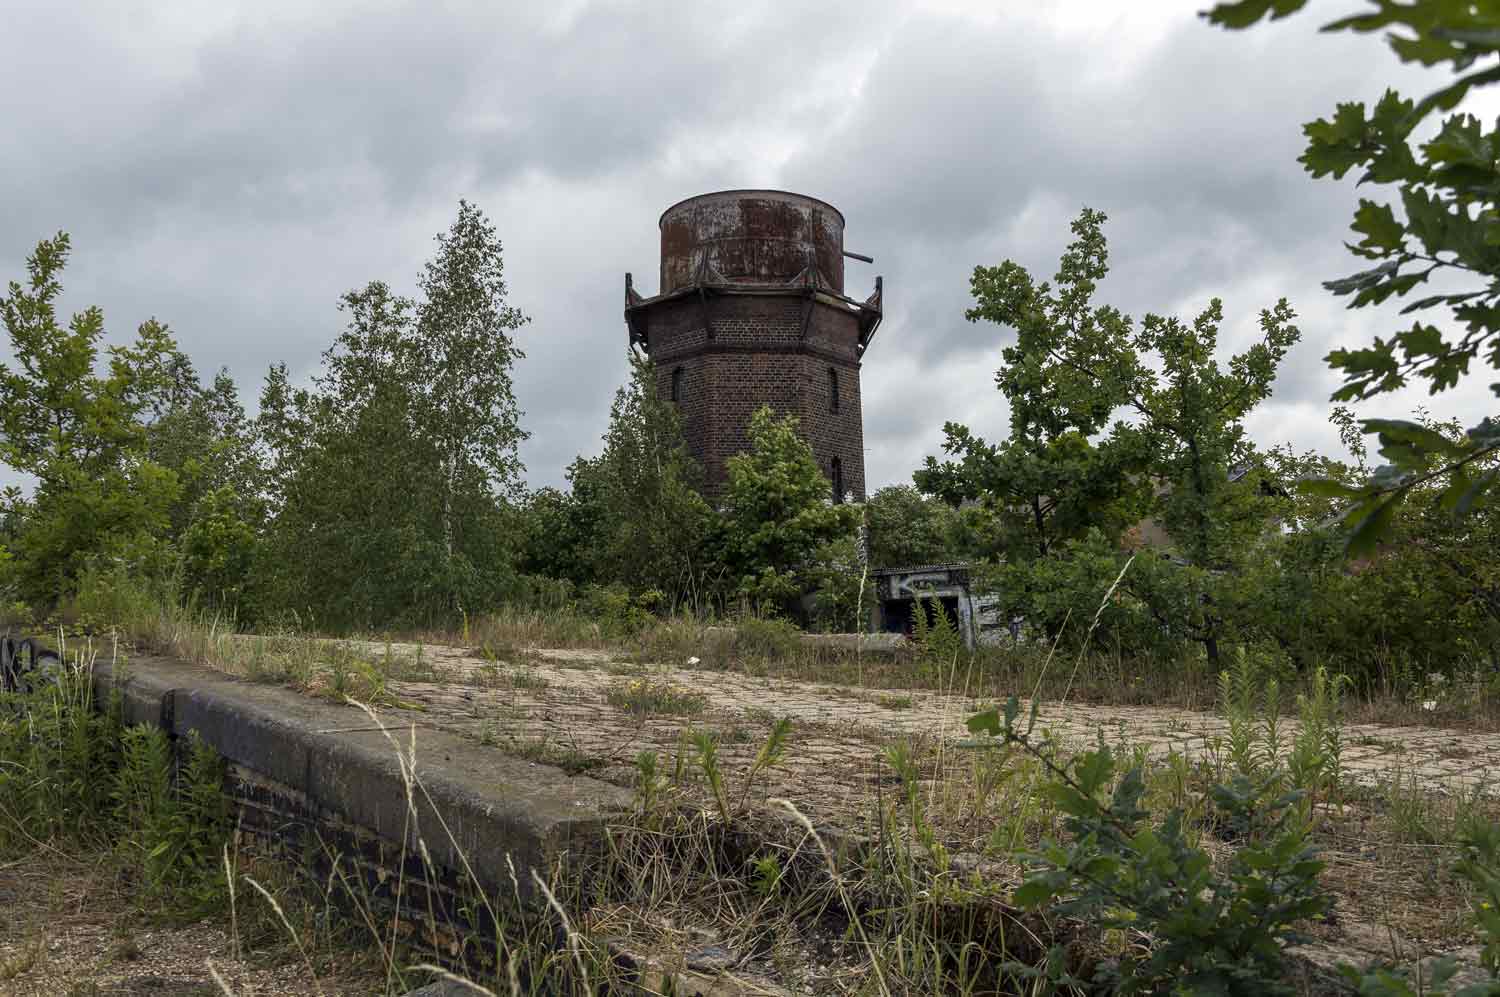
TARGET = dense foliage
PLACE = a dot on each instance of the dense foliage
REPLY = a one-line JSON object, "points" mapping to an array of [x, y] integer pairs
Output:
{"points": [[1069, 501], [1216, 928], [386, 489], [369, 499], [81, 430], [777, 513], [1126, 504], [390, 476], [71, 772], [637, 516], [1126, 508]]}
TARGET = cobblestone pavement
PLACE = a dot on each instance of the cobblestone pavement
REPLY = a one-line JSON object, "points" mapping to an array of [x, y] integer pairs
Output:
{"points": [[565, 708], [555, 707]]}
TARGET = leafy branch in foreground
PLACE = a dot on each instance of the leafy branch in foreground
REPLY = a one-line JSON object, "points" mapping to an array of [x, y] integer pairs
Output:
{"points": [[1192, 928], [1449, 225], [1201, 930]]}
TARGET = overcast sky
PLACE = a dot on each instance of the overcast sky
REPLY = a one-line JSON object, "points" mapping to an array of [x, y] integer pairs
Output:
{"points": [[232, 168]]}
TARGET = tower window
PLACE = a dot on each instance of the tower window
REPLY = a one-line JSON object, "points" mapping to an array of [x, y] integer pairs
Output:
{"points": [[836, 473], [677, 384], [833, 389]]}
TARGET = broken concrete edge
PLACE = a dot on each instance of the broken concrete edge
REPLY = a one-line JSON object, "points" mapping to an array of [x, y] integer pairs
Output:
{"points": [[478, 812], [500, 812], [849, 641]]}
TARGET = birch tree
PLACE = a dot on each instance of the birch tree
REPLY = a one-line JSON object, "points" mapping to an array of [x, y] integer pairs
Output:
{"points": [[464, 350]]}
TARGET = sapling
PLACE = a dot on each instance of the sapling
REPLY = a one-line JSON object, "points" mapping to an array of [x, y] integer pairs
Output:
{"points": [[1206, 929]]}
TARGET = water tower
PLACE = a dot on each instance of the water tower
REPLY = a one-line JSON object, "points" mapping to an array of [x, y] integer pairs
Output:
{"points": [[752, 312]]}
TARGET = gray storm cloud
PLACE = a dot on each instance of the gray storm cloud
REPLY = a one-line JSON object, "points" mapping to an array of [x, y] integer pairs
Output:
{"points": [[232, 171]]}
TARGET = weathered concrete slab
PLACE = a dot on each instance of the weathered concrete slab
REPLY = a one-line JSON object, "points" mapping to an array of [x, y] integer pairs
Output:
{"points": [[472, 806], [850, 642], [448, 988], [147, 693], [878, 642]]}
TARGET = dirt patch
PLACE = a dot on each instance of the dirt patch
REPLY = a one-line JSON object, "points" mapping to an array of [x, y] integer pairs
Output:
{"points": [[68, 929]]}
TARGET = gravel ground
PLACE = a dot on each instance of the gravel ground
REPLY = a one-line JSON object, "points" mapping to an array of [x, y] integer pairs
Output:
{"points": [[565, 708], [67, 930]]}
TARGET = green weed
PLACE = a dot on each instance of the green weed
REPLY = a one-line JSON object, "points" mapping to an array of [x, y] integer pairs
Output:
{"points": [[653, 697], [1214, 929]]}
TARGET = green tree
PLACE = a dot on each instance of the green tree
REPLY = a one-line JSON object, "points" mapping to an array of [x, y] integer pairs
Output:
{"points": [[777, 512], [219, 547], [1184, 457], [1447, 226], [1427, 601], [392, 474], [463, 352], [1210, 498], [1057, 477], [15, 509], [651, 519], [841, 588], [1073, 365], [558, 530], [78, 431], [355, 540], [905, 527], [1052, 479], [201, 433]]}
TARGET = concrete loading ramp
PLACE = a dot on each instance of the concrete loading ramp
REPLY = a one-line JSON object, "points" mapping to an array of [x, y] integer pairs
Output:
{"points": [[302, 762], [338, 765], [403, 803]]}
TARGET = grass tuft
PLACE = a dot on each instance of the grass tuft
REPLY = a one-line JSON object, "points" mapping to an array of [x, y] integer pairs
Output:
{"points": [[656, 697]]}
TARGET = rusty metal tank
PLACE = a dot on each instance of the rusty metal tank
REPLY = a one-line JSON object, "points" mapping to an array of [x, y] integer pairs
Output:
{"points": [[751, 237]]}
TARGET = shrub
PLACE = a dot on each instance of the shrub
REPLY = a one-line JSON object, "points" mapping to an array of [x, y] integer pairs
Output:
{"points": [[171, 818], [68, 771], [542, 593], [616, 611], [766, 637], [57, 756], [219, 549], [115, 596], [1204, 930], [842, 592]]}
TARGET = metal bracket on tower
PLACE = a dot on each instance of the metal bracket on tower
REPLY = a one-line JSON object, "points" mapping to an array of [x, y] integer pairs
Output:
{"points": [[638, 336], [701, 279], [810, 281], [870, 315]]}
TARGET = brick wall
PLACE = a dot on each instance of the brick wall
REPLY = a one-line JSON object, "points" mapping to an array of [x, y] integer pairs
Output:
{"points": [[309, 781], [765, 349]]}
